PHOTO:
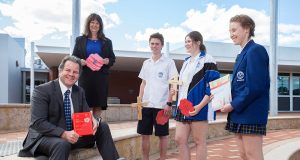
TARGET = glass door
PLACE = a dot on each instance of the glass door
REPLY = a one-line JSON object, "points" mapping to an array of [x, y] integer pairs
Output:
{"points": [[296, 91], [283, 92]]}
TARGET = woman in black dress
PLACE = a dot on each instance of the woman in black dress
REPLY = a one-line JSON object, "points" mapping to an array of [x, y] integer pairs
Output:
{"points": [[95, 83]]}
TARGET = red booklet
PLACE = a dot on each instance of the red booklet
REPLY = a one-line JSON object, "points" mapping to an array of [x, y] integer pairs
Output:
{"points": [[82, 123]]}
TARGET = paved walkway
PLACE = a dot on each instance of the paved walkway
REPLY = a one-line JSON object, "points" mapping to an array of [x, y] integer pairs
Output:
{"points": [[227, 149], [218, 149]]}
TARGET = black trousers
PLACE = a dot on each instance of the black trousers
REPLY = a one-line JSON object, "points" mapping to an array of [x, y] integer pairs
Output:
{"points": [[56, 148]]}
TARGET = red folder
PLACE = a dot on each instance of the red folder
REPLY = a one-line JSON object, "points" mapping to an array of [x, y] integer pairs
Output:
{"points": [[161, 118], [94, 62], [82, 123], [185, 107]]}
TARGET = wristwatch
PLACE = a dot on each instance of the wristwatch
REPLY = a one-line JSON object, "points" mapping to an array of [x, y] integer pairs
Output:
{"points": [[169, 104]]}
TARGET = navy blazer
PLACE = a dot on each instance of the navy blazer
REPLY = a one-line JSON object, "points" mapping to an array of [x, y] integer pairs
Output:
{"points": [[250, 86], [47, 114]]}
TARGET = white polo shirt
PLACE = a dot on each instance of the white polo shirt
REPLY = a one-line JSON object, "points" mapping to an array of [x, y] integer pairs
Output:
{"points": [[157, 75]]}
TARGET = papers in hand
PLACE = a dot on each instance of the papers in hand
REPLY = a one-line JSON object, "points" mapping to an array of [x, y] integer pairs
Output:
{"points": [[221, 90], [82, 123], [94, 62]]}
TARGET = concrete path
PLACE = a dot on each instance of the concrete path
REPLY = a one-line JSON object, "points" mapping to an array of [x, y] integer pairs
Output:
{"points": [[227, 149]]}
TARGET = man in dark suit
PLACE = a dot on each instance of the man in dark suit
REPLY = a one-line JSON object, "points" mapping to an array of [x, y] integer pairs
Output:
{"points": [[48, 134]]}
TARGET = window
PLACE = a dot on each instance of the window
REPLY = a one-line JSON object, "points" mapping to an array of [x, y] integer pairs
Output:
{"points": [[27, 88], [283, 84], [296, 84]]}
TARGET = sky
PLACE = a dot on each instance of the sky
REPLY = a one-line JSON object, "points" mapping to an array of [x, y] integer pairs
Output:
{"points": [[129, 23]]}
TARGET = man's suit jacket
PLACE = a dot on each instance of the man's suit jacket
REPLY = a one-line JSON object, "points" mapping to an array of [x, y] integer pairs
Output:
{"points": [[250, 86], [47, 113]]}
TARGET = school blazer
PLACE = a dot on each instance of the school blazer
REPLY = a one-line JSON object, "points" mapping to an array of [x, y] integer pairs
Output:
{"points": [[250, 86]]}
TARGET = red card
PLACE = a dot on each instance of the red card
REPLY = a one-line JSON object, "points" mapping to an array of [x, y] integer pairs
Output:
{"points": [[161, 118], [185, 107], [82, 123], [94, 62]]}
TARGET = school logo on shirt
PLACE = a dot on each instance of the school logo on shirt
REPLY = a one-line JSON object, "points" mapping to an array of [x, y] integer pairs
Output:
{"points": [[160, 74], [240, 76]]}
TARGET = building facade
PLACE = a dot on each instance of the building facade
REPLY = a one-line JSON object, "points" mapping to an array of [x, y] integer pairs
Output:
{"points": [[12, 59], [124, 82]]}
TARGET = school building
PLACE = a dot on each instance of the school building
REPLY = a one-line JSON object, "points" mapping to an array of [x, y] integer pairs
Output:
{"points": [[124, 81]]}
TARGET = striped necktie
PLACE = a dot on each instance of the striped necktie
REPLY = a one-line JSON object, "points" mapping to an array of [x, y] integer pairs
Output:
{"points": [[67, 109]]}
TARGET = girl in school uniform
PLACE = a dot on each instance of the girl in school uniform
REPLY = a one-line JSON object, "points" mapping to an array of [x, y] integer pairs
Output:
{"points": [[248, 110], [197, 71]]}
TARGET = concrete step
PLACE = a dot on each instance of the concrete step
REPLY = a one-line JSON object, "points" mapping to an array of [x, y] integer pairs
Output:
{"points": [[284, 150], [113, 100], [78, 154]]}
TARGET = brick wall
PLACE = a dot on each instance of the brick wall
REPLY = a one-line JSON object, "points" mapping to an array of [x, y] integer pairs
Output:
{"points": [[124, 85]]}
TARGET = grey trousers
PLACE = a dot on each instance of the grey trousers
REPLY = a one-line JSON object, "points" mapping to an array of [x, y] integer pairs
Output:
{"points": [[56, 148]]}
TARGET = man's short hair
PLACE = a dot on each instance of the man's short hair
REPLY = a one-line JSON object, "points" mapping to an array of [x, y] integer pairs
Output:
{"points": [[158, 36], [72, 59]]}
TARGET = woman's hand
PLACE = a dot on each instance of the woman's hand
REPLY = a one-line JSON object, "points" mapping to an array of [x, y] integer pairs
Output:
{"points": [[105, 61], [196, 111], [203, 103], [211, 97], [227, 108]]}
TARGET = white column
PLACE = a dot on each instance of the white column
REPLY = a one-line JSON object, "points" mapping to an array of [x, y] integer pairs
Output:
{"points": [[32, 69], [273, 57], [75, 23], [167, 53], [291, 91]]}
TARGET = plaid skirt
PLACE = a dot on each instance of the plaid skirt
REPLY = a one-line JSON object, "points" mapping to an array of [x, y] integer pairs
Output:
{"points": [[257, 129], [178, 116]]}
